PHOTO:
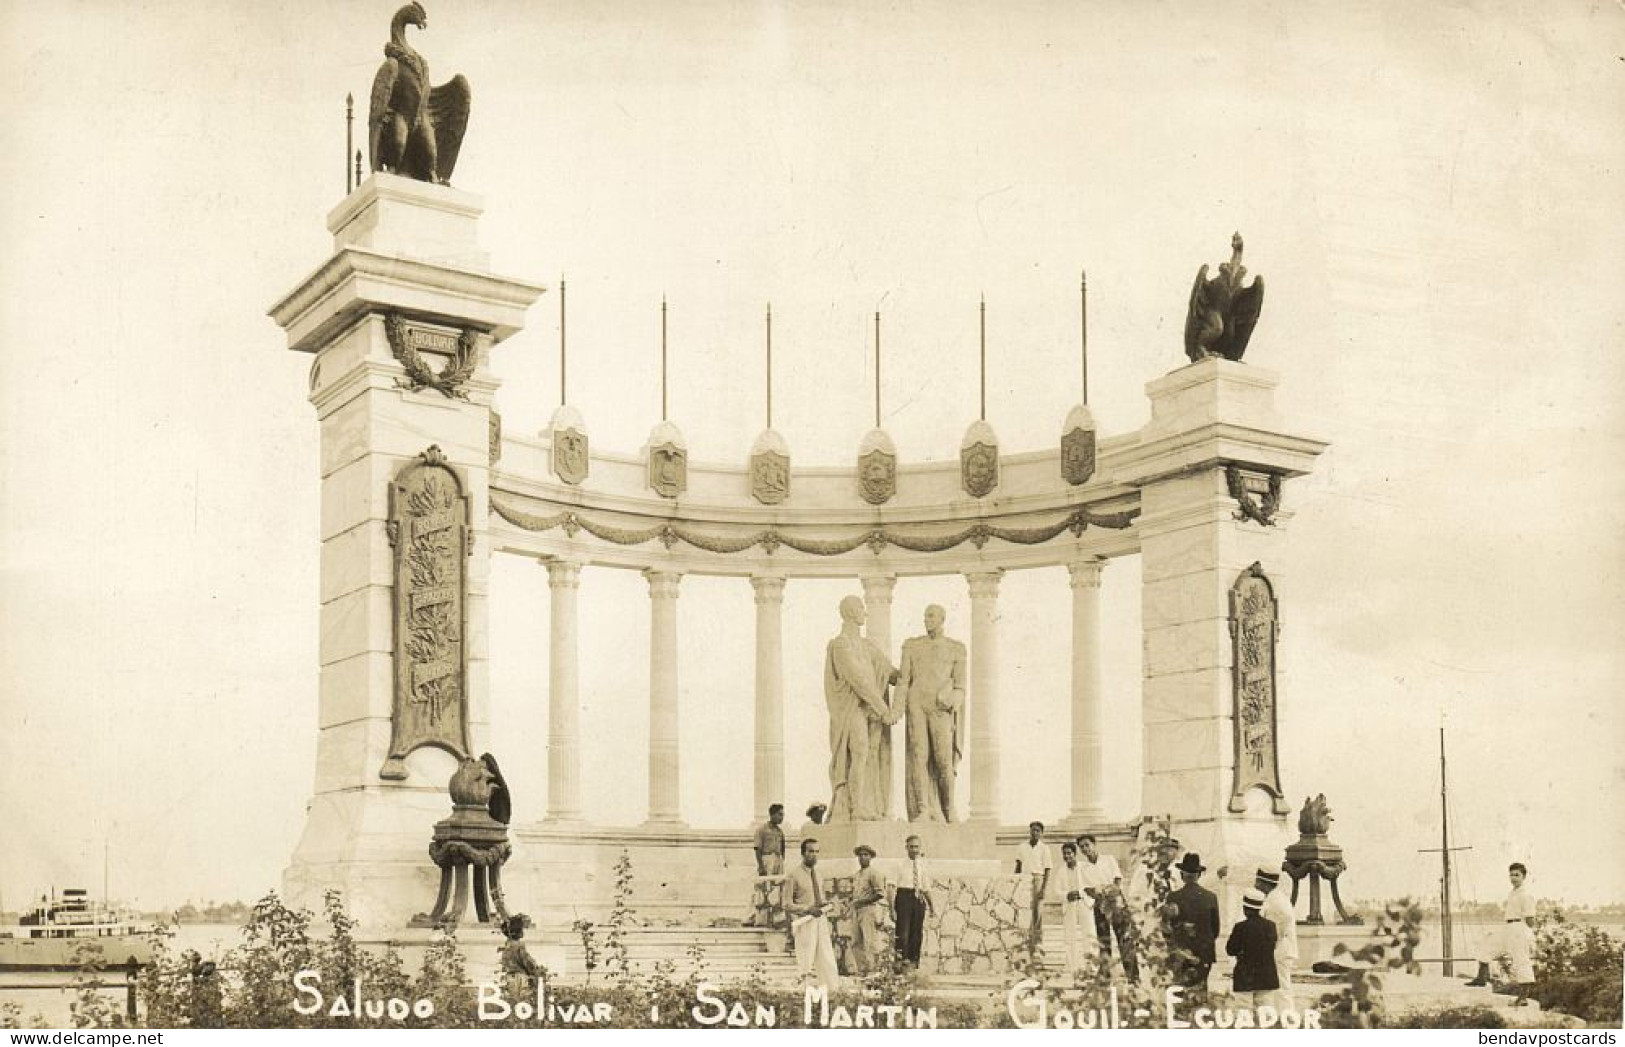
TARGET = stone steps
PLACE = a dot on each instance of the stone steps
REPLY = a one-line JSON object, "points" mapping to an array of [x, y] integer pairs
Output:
{"points": [[725, 953]]}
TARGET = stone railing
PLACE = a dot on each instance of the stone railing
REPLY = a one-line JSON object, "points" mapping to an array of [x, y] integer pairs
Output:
{"points": [[979, 925]]}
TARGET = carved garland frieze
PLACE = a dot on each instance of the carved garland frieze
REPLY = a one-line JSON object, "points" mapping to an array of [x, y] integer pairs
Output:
{"points": [[877, 539], [407, 340], [1254, 625], [428, 528]]}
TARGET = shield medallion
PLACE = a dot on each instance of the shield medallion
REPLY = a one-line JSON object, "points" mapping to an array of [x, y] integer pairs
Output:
{"points": [[570, 455], [769, 477], [668, 470], [979, 469], [877, 476], [1078, 456]]}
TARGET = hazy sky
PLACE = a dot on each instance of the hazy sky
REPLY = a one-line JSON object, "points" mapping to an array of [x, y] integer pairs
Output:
{"points": [[1432, 193]]}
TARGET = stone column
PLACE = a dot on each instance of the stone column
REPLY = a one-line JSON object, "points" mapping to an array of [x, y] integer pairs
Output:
{"points": [[563, 695], [1210, 422], [877, 590], [769, 692], [984, 696], [1088, 773], [411, 250], [664, 780]]}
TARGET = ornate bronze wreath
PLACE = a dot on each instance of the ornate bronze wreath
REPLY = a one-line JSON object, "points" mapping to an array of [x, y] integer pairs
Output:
{"points": [[419, 374]]}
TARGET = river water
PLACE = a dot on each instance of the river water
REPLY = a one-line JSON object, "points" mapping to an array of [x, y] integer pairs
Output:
{"points": [[52, 1007]]}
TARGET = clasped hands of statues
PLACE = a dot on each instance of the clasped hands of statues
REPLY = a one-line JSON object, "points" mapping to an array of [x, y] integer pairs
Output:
{"points": [[948, 700]]}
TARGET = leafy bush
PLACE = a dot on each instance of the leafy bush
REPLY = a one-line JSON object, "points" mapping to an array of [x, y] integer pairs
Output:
{"points": [[1578, 969], [1451, 1018]]}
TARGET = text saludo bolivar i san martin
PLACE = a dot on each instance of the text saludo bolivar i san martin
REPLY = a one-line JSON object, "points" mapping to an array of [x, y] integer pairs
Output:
{"points": [[1028, 1009]]}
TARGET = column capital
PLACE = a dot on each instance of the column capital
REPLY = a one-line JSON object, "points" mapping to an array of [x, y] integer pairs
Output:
{"points": [[769, 588], [877, 588], [563, 574], [984, 584], [662, 584], [1086, 573]]}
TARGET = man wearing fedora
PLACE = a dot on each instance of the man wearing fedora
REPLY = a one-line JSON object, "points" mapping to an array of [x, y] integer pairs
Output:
{"points": [[869, 944], [1193, 926], [1278, 911]]}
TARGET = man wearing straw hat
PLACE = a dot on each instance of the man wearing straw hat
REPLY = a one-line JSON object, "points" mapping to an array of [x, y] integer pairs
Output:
{"points": [[1252, 943], [869, 944]]}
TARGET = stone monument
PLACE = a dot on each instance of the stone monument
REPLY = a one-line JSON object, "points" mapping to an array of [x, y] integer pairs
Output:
{"points": [[931, 686], [857, 684]]}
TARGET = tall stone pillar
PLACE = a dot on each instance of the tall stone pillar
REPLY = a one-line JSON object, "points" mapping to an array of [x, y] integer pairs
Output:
{"points": [[1088, 771], [877, 592], [769, 692], [664, 776], [984, 695], [563, 698], [405, 301], [1207, 456]]}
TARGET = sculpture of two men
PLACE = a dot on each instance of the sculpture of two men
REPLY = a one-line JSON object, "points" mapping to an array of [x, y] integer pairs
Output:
{"points": [[930, 686]]}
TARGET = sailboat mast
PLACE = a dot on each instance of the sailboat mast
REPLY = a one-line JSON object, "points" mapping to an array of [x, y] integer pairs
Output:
{"points": [[1444, 855]]}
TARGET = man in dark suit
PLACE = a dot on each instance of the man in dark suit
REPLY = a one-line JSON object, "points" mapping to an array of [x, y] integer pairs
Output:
{"points": [[1252, 943], [1193, 927]]}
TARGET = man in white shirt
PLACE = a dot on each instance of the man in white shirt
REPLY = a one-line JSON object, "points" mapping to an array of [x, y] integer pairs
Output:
{"points": [[1076, 907], [1517, 943], [911, 901], [1278, 911], [1033, 858], [1103, 883], [808, 905]]}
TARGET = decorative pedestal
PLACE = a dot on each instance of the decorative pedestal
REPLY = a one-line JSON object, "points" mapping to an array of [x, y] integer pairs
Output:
{"points": [[469, 841], [1318, 859], [400, 321]]}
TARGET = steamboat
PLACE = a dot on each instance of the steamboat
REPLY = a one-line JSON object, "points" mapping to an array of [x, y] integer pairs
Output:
{"points": [[64, 933]]}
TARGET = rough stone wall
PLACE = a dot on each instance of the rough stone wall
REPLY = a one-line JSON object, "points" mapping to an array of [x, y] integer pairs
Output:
{"points": [[980, 926]]}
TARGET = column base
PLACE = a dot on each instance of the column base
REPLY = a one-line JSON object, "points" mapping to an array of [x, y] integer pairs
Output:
{"points": [[1082, 818], [663, 823]]}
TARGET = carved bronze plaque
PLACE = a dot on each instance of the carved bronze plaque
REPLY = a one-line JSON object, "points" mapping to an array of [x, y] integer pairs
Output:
{"points": [[668, 470], [570, 458], [1254, 624], [1078, 456], [979, 469], [428, 527], [769, 477], [877, 476]]}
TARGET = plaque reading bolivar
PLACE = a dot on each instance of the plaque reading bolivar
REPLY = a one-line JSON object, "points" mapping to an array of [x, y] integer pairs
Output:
{"points": [[1254, 623], [428, 528]]}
